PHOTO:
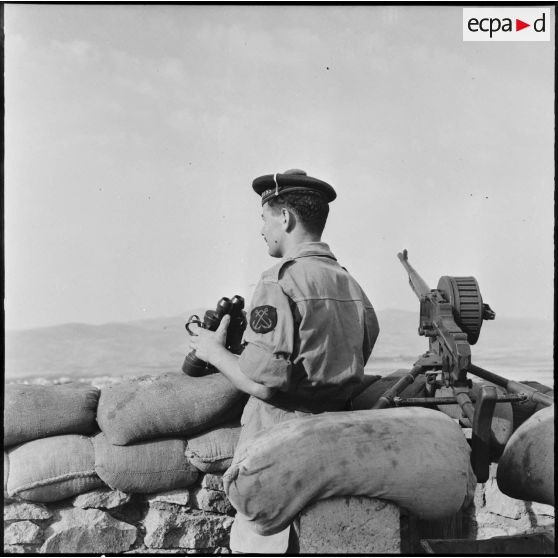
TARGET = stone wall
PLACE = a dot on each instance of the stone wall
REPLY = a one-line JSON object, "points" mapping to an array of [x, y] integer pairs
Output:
{"points": [[193, 520], [198, 520], [496, 514]]}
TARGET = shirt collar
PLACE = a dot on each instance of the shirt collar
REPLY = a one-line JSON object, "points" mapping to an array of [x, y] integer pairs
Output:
{"points": [[309, 249]]}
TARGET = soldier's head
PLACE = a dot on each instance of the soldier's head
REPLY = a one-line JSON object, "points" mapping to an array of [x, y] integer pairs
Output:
{"points": [[295, 208]]}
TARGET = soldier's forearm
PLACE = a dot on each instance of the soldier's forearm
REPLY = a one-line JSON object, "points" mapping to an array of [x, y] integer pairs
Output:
{"points": [[227, 363]]}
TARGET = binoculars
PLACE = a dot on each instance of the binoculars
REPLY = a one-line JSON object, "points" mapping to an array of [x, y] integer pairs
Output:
{"points": [[193, 366]]}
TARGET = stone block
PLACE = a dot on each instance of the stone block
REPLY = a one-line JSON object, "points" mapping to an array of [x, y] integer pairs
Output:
{"points": [[487, 532], [494, 525], [26, 510], [133, 512], [90, 531], [105, 498], [180, 528], [500, 504], [213, 501], [539, 523], [180, 497], [350, 525], [23, 532], [479, 499], [213, 482], [542, 509], [499, 515]]}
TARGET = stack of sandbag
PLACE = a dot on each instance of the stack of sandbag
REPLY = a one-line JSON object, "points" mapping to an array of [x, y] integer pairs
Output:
{"points": [[34, 411], [417, 458], [169, 405], [48, 453], [158, 433], [164, 463], [145, 467], [213, 451], [51, 469]]}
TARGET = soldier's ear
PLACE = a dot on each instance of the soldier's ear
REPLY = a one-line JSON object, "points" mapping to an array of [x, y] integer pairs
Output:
{"points": [[289, 219]]}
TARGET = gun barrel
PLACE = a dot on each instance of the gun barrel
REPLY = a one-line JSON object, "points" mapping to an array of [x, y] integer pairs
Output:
{"points": [[418, 284]]}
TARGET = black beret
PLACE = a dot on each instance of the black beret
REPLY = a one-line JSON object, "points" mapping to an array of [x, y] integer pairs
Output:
{"points": [[293, 180]]}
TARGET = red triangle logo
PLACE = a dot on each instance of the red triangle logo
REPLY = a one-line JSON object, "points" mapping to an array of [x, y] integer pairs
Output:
{"points": [[519, 25]]}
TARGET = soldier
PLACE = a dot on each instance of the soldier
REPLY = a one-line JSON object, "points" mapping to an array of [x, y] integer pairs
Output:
{"points": [[311, 327]]}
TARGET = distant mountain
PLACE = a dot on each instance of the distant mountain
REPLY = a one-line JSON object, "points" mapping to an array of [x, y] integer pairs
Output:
{"points": [[519, 348], [83, 350]]}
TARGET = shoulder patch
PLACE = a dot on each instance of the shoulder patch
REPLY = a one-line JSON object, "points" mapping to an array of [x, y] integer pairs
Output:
{"points": [[263, 319]]}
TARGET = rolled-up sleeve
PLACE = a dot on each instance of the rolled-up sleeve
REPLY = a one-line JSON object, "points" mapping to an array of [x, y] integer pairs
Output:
{"points": [[269, 337]]}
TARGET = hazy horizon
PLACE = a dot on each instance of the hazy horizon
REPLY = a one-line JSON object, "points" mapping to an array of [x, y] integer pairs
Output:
{"points": [[517, 349], [188, 312]]}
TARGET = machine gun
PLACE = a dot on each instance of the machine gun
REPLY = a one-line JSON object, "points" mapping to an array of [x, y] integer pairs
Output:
{"points": [[451, 317]]}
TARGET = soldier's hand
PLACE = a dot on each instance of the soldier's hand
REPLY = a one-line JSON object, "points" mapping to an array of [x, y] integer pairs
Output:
{"points": [[221, 333], [208, 344]]}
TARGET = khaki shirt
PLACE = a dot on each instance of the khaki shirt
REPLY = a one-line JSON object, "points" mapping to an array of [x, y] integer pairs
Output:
{"points": [[310, 331]]}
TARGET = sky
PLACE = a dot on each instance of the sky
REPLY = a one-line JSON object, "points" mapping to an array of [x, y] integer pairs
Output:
{"points": [[133, 134]]}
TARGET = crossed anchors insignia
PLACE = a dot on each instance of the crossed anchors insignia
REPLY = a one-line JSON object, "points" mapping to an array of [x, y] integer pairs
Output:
{"points": [[263, 319]]}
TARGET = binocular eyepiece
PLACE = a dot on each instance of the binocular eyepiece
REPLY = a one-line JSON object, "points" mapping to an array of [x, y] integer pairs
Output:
{"points": [[193, 366]]}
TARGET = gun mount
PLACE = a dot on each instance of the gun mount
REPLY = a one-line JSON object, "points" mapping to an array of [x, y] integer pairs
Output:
{"points": [[451, 317]]}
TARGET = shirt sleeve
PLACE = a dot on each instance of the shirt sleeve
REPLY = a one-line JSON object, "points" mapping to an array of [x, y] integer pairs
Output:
{"points": [[269, 336], [372, 330]]}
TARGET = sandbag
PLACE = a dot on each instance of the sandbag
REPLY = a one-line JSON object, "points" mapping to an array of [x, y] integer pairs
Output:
{"points": [[145, 467], [403, 455], [526, 467], [213, 451], [376, 389], [34, 411], [170, 405], [51, 469]]}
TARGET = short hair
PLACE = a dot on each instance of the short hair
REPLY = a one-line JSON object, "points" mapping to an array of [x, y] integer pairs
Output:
{"points": [[311, 208]]}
